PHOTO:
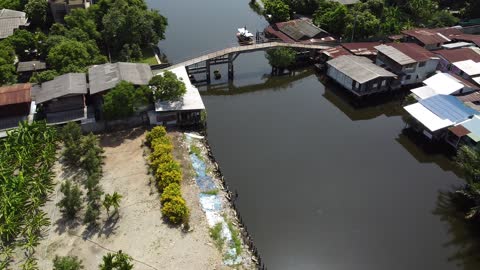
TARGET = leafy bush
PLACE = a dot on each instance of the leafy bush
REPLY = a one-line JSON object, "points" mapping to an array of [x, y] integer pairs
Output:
{"points": [[167, 175], [71, 134], [67, 263], [156, 133], [170, 192], [114, 261], [71, 202], [176, 210]]}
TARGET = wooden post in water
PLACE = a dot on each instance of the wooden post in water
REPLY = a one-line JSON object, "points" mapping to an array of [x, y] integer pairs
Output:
{"points": [[208, 71], [230, 67]]}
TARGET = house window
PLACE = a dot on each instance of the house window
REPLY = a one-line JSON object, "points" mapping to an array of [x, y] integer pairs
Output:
{"points": [[408, 77], [384, 82], [357, 85], [422, 64], [375, 85]]}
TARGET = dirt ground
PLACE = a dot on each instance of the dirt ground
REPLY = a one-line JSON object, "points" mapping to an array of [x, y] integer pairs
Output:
{"points": [[140, 230]]}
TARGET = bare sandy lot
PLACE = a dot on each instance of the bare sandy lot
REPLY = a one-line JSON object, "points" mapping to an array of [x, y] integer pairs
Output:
{"points": [[140, 230]]}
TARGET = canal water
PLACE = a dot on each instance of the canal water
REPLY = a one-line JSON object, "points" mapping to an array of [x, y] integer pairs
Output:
{"points": [[322, 184]]}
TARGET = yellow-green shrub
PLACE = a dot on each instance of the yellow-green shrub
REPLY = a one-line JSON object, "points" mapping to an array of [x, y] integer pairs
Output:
{"points": [[170, 192], [156, 132], [167, 177], [162, 159], [175, 210], [161, 140], [160, 150]]}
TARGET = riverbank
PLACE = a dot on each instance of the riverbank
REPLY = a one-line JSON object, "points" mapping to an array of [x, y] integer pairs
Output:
{"points": [[216, 201]]}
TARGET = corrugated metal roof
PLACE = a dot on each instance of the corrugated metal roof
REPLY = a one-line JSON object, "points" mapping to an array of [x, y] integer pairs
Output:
{"points": [[459, 130], [362, 48], [106, 76], [471, 68], [432, 36], [299, 29], [395, 55], [335, 52], [15, 94], [31, 66], [443, 83], [448, 107], [359, 68], [11, 20], [426, 117], [66, 84], [462, 54], [473, 125]]}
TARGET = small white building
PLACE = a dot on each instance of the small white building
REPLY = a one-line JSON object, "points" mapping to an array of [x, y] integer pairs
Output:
{"points": [[409, 61], [185, 111]]}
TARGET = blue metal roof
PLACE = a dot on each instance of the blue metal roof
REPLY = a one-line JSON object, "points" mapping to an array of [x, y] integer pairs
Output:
{"points": [[448, 107]]}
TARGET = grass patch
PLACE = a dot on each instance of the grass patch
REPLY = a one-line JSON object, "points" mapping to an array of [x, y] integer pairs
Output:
{"points": [[148, 56], [216, 234], [236, 242], [195, 150], [211, 192]]}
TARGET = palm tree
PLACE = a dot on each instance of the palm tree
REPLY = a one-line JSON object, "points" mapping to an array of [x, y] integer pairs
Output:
{"points": [[112, 200]]}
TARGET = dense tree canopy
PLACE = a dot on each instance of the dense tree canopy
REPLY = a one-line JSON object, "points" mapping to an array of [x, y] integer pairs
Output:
{"points": [[124, 99], [278, 10], [36, 11], [167, 86], [74, 56], [7, 68], [280, 57]]}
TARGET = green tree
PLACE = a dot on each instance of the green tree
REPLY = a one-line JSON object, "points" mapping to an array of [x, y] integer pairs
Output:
{"points": [[73, 56], [36, 11], [24, 43], [443, 18], [44, 76], [363, 26], [82, 20], [280, 57], [112, 200], [67, 263], [278, 10], [332, 18], [72, 200], [116, 261], [118, 102], [167, 86], [468, 159], [71, 135]]}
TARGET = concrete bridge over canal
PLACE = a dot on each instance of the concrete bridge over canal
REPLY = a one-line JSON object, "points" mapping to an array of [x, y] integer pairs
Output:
{"points": [[228, 55]]}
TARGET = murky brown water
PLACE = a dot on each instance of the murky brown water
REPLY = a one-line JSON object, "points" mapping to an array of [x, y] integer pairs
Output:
{"points": [[321, 185]]}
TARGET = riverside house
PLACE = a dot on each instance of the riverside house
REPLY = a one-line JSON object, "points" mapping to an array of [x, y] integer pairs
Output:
{"points": [[359, 75], [62, 99], [410, 62], [185, 111], [449, 57], [106, 76], [443, 84], [15, 106], [60, 8], [434, 115], [431, 39]]}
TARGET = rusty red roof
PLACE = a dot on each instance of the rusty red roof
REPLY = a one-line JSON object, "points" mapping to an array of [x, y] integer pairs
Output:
{"points": [[465, 82], [362, 48], [459, 130], [335, 52], [472, 38], [433, 36], [15, 94], [472, 97], [457, 55], [413, 50]]}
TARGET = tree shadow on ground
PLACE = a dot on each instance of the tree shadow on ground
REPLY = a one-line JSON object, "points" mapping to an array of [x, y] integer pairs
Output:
{"points": [[113, 139], [464, 234], [90, 231], [110, 225], [64, 224]]}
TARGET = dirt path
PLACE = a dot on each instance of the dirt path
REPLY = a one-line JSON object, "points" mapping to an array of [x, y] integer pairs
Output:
{"points": [[140, 230]]}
